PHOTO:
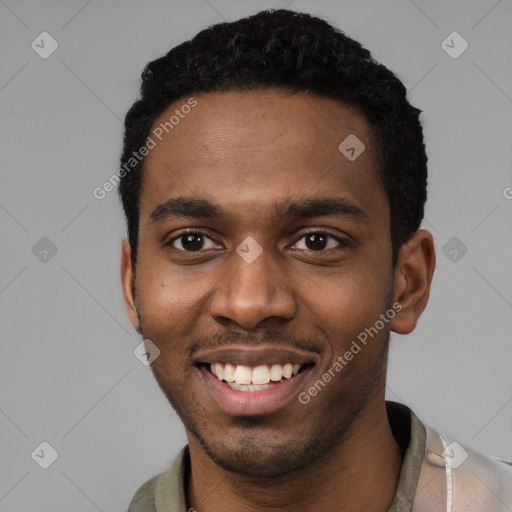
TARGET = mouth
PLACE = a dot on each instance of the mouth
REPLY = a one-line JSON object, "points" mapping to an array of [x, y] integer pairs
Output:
{"points": [[257, 378], [253, 381]]}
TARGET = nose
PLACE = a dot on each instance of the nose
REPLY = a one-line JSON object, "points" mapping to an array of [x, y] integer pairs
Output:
{"points": [[251, 293]]}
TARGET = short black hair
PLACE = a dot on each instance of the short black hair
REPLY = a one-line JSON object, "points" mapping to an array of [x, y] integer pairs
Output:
{"points": [[300, 53]]}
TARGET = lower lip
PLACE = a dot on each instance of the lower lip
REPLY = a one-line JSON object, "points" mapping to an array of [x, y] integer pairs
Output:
{"points": [[251, 403]]}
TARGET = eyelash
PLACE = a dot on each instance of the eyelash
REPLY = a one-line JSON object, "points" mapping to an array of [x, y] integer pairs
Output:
{"points": [[343, 242]]}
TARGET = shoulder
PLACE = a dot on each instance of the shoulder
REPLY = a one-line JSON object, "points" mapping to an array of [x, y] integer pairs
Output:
{"points": [[165, 491], [460, 476], [144, 498]]}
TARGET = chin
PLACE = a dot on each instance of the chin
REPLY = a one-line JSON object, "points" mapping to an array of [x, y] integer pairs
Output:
{"points": [[260, 463], [264, 455]]}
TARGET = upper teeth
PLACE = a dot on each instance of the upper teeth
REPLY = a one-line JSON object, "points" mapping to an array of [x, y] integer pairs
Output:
{"points": [[262, 374]]}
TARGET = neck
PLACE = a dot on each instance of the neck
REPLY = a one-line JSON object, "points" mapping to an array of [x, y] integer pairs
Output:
{"points": [[359, 474]]}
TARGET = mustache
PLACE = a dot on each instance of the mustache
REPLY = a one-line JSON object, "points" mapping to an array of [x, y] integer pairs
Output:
{"points": [[242, 337]]}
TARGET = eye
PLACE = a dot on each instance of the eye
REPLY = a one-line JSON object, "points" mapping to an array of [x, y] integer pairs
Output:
{"points": [[319, 241], [191, 241]]}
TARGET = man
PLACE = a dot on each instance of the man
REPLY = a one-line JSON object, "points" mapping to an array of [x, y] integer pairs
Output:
{"points": [[273, 180]]}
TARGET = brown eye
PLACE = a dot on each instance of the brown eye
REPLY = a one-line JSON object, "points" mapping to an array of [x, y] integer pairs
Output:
{"points": [[319, 241], [192, 241], [316, 241]]}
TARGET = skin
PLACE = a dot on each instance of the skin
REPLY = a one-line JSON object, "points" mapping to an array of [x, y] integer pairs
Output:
{"points": [[248, 151]]}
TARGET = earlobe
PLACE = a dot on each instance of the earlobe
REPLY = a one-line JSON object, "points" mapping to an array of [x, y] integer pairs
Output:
{"points": [[413, 278], [128, 284]]}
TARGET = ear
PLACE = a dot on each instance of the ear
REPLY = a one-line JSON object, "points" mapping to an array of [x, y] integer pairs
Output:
{"points": [[413, 277], [128, 284]]}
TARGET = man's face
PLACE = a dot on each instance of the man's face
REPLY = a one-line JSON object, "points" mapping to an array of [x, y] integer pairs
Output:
{"points": [[256, 160]]}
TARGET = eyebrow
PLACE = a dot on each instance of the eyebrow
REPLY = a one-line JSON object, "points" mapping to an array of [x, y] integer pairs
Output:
{"points": [[189, 207], [198, 208]]}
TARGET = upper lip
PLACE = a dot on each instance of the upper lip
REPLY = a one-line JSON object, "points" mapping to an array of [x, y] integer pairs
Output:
{"points": [[255, 355]]}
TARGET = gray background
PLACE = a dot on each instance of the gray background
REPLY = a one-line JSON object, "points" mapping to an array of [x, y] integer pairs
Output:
{"points": [[68, 375]]}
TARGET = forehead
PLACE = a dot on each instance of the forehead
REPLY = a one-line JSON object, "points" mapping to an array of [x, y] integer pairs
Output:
{"points": [[253, 147]]}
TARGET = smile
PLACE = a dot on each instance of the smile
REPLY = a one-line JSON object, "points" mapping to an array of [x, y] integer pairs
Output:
{"points": [[245, 378], [248, 380]]}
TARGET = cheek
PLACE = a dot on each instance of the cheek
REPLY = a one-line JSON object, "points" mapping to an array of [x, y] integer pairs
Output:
{"points": [[343, 305], [348, 292], [171, 306], [164, 294], [162, 303]]}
